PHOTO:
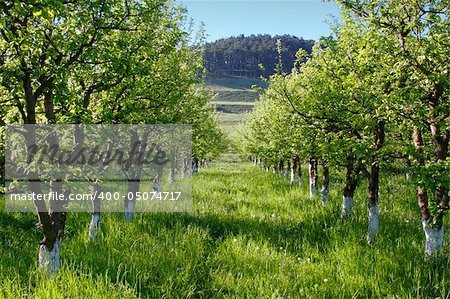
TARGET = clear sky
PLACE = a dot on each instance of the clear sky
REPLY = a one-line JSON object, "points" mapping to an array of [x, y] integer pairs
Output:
{"points": [[309, 19]]}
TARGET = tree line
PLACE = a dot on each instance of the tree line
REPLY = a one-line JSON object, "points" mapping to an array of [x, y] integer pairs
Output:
{"points": [[252, 56], [373, 96]]}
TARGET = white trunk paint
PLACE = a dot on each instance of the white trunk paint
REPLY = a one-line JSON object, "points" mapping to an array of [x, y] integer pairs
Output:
{"points": [[324, 192], [300, 181], [408, 176], [347, 206], [434, 238], [130, 210], [50, 260], [374, 220], [157, 186], [312, 190], [173, 175], [292, 176], [93, 227]]}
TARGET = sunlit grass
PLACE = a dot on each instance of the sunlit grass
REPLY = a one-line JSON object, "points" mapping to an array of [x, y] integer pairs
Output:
{"points": [[250, 235]]}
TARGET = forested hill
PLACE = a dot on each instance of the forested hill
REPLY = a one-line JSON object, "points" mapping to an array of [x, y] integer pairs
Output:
{"points": [[243, 55]]}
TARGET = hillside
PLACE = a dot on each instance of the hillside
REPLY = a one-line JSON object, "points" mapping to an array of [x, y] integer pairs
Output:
{"points": [[234, 98], [254, 55]]}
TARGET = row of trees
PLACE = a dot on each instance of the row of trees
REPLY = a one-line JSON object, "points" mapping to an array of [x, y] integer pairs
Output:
{"points": [[252, 56], [101, 62], [375, 94]]}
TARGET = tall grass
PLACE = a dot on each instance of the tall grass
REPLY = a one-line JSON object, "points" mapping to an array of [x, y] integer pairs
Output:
{"points": [[250, 235]]}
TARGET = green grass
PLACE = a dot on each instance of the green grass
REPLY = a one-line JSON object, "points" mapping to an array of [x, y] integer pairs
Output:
{"points": [[233, 83], [233, 109], [232, 103], [242, 96], [234, 94], [250, 235], [229, 122]]}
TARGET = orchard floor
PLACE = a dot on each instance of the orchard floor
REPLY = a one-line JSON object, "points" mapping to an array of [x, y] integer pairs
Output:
{"points": [[250, 235]]}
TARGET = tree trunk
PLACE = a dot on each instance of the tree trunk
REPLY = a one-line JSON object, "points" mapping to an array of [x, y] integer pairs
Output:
{"points": [[49, 249], [173, 168], [374, 214], [158, 180], [312, 177], [280, 167], [434, 234], [408, 174], [51, 220], [325, 190], [299, 173], [194, 165], [434, 238], [374, 182], [95, 216], [350, 187], [49, 259], [293, 170], [130, 200], [187, 170]]}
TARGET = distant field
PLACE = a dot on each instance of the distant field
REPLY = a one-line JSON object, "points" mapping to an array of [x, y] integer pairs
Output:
{"points": [[229, 121], [233, 103], [234, 83], [234, 100], [236, 95], [232, 119], [234, 109]]}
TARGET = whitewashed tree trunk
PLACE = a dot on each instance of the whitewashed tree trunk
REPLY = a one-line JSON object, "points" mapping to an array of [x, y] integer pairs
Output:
{"points": [[157, 186], [434, 239], [173, 169], [94, 226], [374, 220], [324, 193], [130, 210], [188, 169], [351, 182], [347, 206], [408, 176], [325, 190], [292, 176], [312, 190], [312, 168], [49, 260], [300, 181]]}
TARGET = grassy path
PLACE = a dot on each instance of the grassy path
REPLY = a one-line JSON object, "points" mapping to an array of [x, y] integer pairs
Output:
{"points": [[250, 236]]}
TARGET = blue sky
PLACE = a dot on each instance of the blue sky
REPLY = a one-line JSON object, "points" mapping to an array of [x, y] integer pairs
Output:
{"points": [[308, 19]]}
